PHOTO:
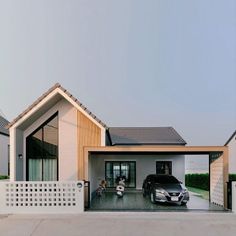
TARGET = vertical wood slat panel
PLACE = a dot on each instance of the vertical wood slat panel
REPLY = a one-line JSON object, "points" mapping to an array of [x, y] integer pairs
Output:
{"points": [[89, 134]]}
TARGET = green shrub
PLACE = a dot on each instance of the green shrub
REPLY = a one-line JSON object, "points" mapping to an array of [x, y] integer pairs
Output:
{"points": [[200, 181], [232, 177], [4, 177]]}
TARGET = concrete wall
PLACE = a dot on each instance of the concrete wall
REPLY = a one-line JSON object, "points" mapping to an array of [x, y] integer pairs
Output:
{"points": [[145, 164], [232, 155], [67, 118], [4, 142]]}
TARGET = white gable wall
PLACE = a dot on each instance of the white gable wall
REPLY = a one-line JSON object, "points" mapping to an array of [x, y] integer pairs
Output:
{"points": [[67, 118], [232, 155], [4, 142]]}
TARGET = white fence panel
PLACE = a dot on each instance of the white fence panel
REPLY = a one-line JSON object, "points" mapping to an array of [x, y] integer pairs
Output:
{"points": [[42, 197], [234, 196]]}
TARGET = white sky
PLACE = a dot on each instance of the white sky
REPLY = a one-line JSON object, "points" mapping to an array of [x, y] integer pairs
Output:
{"points": [[133, 63]]}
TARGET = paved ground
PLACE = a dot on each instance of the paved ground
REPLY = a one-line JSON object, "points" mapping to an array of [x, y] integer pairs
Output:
{"points": [[120, 224], [135, 201]]}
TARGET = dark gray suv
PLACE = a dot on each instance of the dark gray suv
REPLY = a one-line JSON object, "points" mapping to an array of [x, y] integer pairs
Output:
{"points": [[165, 188]]}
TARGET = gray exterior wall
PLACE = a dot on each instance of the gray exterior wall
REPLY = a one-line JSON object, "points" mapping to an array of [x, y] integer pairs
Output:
{"points": [[19, 151], [4, 142], [145, 164]]}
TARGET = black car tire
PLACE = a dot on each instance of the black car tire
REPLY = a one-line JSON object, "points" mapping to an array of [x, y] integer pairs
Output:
{"points": [[144, 192], [152, 198], [183, 203]]}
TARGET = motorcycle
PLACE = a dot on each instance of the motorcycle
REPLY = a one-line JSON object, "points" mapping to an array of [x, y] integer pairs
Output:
{"points": [[120, 188]]}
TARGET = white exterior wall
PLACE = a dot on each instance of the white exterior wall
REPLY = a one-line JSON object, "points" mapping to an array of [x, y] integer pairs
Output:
{"points": [[234, 196], [145, 164], [67, 118], [232, 155], [4, 142]]}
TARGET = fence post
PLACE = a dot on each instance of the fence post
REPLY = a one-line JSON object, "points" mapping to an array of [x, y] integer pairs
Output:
{"points": [[234, 196]]}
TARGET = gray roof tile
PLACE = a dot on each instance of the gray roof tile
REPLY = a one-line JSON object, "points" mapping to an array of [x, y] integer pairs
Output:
{"points": [[3, 124], [145, 136]]}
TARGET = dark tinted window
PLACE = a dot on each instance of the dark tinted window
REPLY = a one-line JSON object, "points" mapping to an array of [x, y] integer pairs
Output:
{"points": [[164, 167], [165, 179], [42, 152]]}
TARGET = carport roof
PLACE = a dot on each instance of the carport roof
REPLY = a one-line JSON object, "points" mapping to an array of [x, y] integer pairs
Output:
{"points": [[3, 124], [145, 136]]}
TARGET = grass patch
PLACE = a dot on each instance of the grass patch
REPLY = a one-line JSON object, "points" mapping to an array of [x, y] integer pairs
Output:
{"points": [[203, 193]]}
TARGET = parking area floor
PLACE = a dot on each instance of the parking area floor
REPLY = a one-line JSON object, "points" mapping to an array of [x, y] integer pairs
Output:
{"points": [[134, 200]]}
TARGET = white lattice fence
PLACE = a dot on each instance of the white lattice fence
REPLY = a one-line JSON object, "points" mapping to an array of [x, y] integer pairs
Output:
{"points": [[42, 197]]}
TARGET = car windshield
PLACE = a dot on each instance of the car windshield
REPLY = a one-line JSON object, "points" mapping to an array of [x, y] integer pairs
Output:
{"points": [[165, 179]]}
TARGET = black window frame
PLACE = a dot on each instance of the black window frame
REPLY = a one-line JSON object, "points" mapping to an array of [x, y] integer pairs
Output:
{"points": [[35, 131], [120, 162], [163, 162]]}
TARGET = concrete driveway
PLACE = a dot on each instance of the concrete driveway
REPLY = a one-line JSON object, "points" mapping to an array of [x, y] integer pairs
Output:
{"points": [[120, 223], [134, 200]]}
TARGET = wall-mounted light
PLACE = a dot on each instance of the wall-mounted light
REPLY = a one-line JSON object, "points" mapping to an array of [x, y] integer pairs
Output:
{"points": [[20, 156]]}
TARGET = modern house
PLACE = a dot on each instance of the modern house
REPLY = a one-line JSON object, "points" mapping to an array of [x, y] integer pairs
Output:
{"points": [[58, 139], [48, 140], [4, 147], [231, 144]]}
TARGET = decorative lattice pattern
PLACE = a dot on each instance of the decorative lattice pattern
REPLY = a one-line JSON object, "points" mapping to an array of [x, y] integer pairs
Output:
{"points": [[42, 195]]}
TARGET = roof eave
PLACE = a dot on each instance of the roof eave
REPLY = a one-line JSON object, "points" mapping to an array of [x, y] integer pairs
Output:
{"points": [[231, 137], [5, 134], [66, 95]]}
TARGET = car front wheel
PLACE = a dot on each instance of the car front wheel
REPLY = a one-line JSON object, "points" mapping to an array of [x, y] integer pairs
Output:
{"points": [[152, 198]]}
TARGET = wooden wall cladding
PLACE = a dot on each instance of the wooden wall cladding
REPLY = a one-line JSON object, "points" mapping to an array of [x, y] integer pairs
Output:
{"points": [[89, 134]]}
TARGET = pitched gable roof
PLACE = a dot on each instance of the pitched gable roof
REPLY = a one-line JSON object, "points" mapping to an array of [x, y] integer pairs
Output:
{"points": [[68, 95], [145, 136], [3, 124], [231, 137]]}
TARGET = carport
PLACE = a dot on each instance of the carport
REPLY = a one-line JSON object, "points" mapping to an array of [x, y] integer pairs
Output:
{"points": [[218, 164]]}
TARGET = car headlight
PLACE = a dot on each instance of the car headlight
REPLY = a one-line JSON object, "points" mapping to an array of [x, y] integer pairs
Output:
{"points": [[185, 190], [160, 191]]}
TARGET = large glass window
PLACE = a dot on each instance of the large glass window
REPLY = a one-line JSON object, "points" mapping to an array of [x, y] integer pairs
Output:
{"points": [[42, 152], [116, 169]]}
